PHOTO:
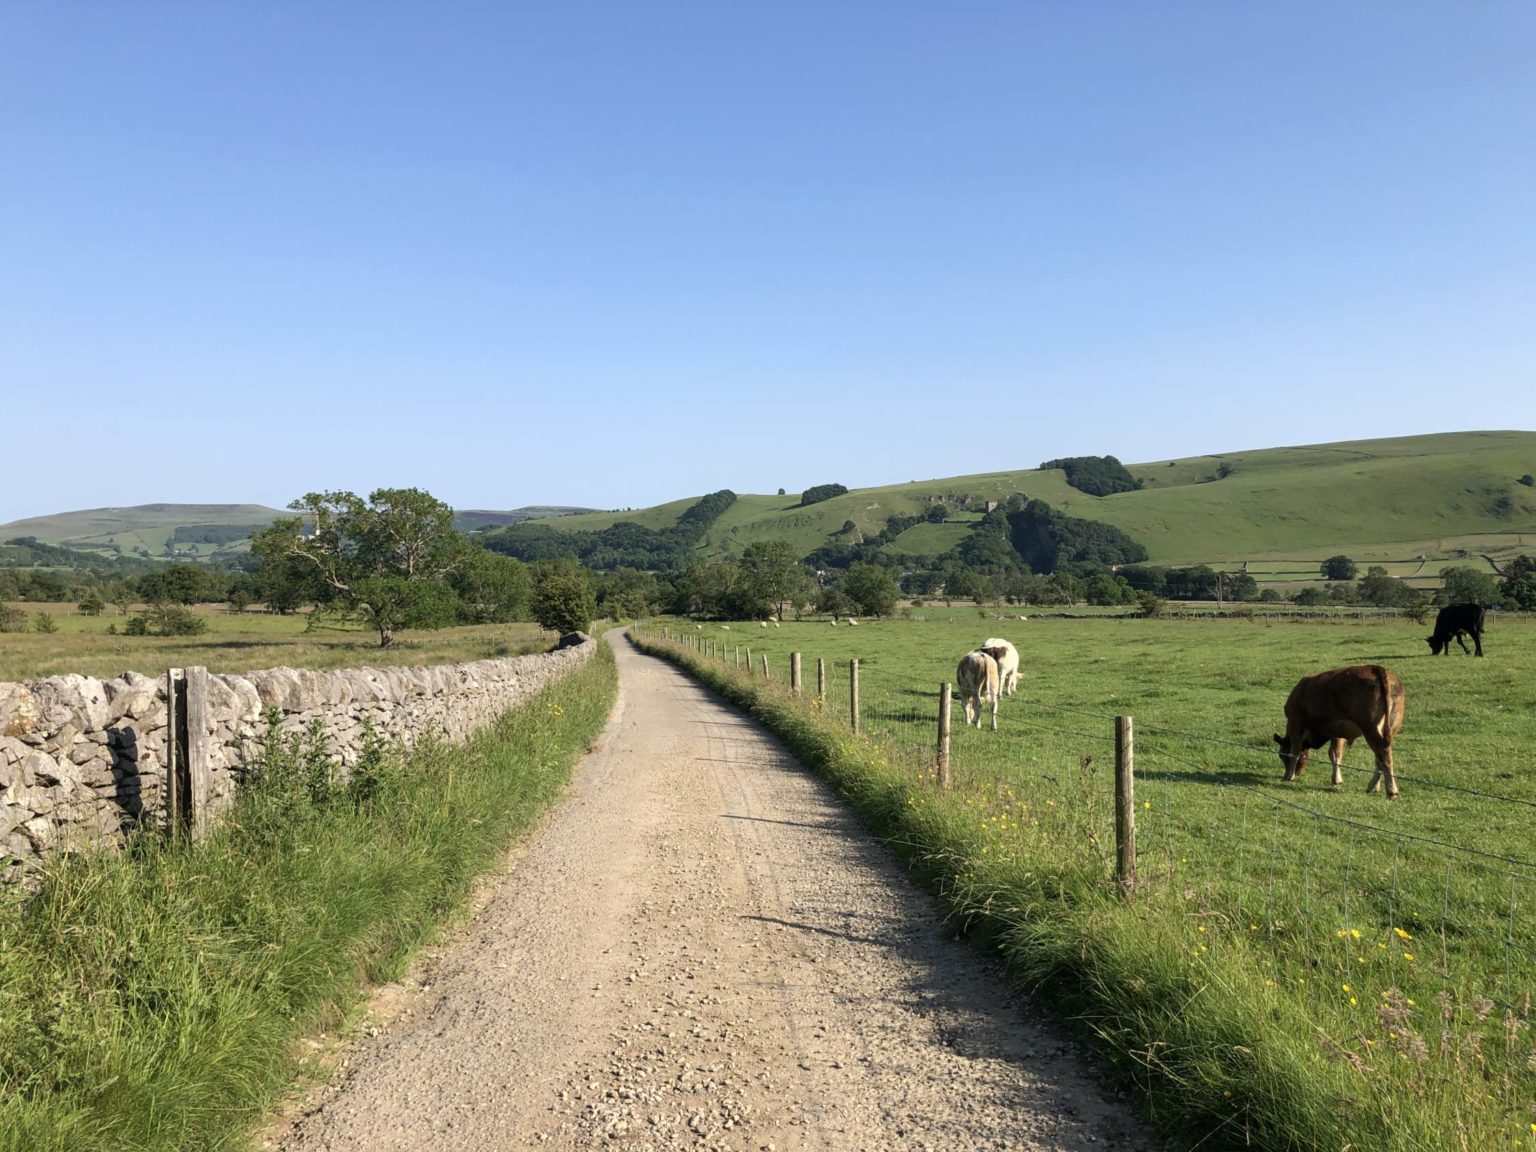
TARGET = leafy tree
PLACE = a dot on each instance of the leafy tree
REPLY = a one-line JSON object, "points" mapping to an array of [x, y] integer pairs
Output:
{"points": [[772, 579], [1149, 604], [563, 600], [1385, 591], [936, 514], [1338, 568], [832, 600], [782, 492], [491, 588], [1105, 588], [1468, 586], [1047, 539], [45, 623], [182, 584], [91, 604], [12, 619], [355, 549], [1519, 583], [872, 588], [1195, 583], [819, 492], [1095, 475]]}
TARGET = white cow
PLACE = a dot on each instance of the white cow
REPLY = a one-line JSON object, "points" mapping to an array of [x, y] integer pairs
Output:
{"points": [[977, 679], [1007, 657]]}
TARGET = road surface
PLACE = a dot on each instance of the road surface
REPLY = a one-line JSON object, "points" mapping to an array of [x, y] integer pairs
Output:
{"points": [[700, 948]]}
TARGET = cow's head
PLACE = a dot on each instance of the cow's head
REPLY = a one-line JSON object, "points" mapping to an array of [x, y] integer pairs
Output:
{"points": [[1292, 759], [1435, 644]]}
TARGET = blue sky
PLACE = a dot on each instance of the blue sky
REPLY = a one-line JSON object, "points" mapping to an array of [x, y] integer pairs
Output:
{"points": [[616, 254]]}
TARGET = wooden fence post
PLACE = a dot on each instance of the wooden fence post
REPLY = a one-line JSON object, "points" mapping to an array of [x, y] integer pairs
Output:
{"points": [[1125, 805], [766, 674], [187, 751], [944, 735], [749, 659], [794, 673], [853, 693], [821, 678]]}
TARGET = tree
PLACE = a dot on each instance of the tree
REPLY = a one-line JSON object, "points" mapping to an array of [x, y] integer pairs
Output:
{"points": [[352, 549], [44, 622], [1338, 568], [872, 588], [1468, 586], [563, 600], [772, 578], [12, 619], [781, 492], [833, 601], [819, 492], [492, 588], [91, 604], [1519, 583], [1386, 592], [1095, 475], [937, 513]]}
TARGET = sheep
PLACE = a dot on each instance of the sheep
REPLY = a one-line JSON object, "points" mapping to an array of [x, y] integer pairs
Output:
{"points": [[977, 679], [762, 623], [851, 621], [1007, 657], [834, 621]]}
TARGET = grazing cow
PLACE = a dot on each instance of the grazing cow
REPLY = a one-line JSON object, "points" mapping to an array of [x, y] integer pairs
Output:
{"points": [[1336, 708], [1007, 657], [978, 680], [1457, 622]]}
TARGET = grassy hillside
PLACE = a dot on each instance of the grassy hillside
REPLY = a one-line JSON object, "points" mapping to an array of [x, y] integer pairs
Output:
{"points": [[1281, 509], [145, 529], [202, 531]]}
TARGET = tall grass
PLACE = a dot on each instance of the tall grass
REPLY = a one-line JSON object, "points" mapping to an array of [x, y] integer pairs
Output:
{"points": [[150, 1000], [1239, 1031]]}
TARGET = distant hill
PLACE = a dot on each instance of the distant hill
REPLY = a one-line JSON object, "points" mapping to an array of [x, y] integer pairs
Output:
{"points": [[474, 519], [197, 532], [1394, 499], [149, 531]]}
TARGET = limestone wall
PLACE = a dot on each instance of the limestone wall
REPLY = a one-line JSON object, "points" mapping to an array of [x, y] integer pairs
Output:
{"points": [[82, 761]]}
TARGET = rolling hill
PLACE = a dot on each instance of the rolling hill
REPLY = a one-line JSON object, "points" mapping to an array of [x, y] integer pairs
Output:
{"points": [[198, 532], [1392, 499]]}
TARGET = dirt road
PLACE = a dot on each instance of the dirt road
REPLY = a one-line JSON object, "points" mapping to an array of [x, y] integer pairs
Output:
{"points": [[700, 949]]}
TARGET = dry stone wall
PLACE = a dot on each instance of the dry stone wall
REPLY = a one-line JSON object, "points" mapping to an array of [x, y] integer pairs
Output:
{"points": [[82, 761]]}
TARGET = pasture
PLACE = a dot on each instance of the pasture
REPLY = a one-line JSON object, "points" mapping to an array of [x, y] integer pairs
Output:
{"points": [[240, 641], [1380, 950]]}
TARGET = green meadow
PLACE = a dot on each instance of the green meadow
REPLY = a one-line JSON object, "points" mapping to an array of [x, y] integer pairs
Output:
{"points": [[1316, 967], [240, 641]]}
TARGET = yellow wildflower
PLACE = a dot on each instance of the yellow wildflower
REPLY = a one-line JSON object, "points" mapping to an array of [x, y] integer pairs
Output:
{"points": [[1353, 1001], [1401, 935], [1346, 987], [1408, 956]]}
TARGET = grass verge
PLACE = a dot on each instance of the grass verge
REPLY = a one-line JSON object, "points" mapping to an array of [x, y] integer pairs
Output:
{"points": [[1222, 1056], [150, 1000]]}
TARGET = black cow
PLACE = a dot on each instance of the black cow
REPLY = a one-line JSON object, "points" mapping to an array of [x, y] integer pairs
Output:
{"points": [[1457, 621]]}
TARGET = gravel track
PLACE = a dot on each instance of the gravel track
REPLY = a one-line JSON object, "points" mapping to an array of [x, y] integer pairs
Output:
{"points": [[700, 949]]}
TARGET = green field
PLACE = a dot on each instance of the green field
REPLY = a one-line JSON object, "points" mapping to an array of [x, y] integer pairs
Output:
{"points": [[1396, 498], [1379, 951], [239, 641]]}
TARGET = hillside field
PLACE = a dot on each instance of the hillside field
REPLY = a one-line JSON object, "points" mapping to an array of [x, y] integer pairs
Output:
{"points": [[1447, 497], [1364, 946]]}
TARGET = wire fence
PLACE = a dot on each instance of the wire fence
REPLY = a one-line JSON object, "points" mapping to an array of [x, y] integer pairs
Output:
{"points": [[1353, 913]]}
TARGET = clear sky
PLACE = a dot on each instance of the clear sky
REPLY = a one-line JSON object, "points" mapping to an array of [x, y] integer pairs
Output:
{"points": [[616, 254]]}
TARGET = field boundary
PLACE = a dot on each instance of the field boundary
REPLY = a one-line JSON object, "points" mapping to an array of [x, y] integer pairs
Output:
{"points": [[85, 763]]}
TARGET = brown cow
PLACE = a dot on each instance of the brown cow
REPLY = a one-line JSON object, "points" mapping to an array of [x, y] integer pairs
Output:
{"points": [[1336, 708]]}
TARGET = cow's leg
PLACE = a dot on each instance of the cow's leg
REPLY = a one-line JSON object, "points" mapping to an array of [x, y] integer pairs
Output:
{"points": [[1336, 759], [995, 697], [1461, 638], [1477, 638], [970, 710], [1383, 752]]}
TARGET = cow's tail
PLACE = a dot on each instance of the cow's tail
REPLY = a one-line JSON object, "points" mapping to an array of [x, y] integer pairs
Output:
{"points": [[1386, 703]]}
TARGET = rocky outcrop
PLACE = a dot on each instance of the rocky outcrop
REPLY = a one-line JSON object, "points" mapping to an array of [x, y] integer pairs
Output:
{"points": [[82, 761]]}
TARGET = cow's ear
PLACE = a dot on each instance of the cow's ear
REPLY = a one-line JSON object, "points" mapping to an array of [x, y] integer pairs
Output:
{"points": [[1280, 740]]}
